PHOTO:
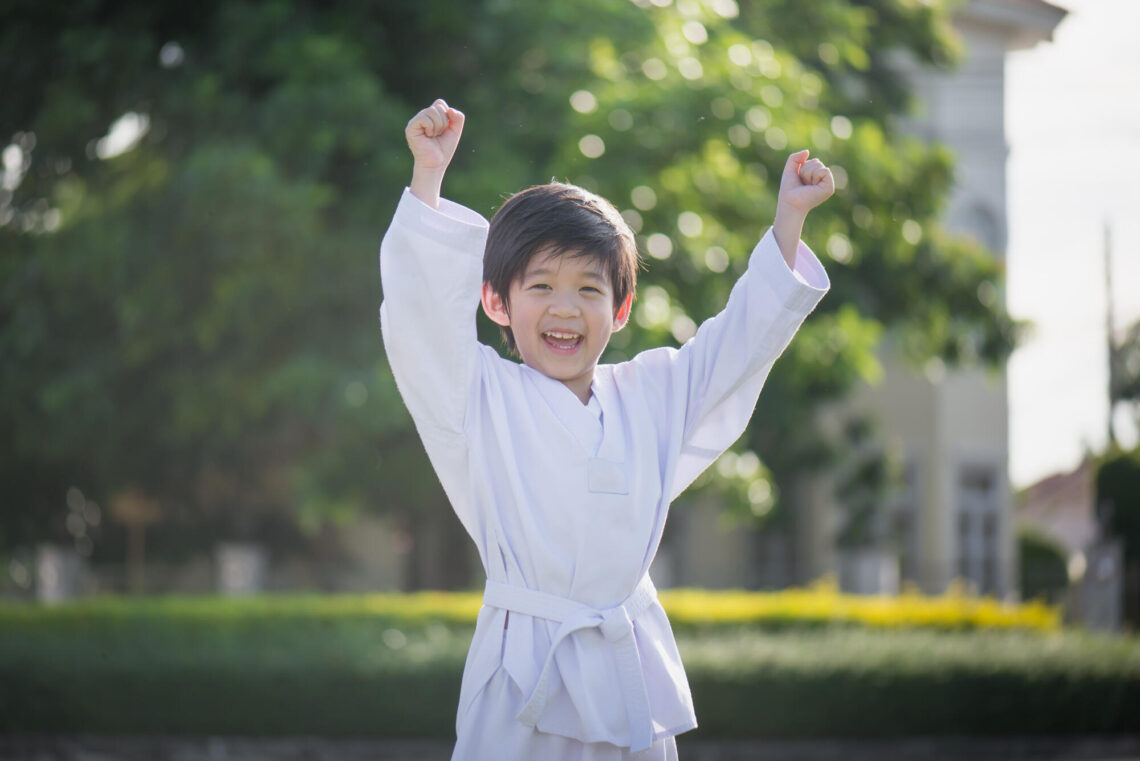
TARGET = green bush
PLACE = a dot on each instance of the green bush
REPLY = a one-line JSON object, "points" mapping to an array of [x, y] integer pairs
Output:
{"points": [[270, 668], [1044, 570]]}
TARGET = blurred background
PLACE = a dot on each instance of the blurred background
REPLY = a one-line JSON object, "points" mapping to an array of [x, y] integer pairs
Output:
{"points": [[210, 485], [195, 397]]}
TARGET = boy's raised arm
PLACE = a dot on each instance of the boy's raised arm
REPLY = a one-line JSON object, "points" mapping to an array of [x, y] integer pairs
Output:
{"points": [[722, 369], [431, 267], [432, 135]]}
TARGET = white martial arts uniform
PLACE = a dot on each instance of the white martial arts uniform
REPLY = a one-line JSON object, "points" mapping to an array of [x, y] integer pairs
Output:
{"points": [[572, 657]]}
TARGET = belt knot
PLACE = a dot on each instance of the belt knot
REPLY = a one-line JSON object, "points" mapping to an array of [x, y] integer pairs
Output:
{"points": [[616, 624]]}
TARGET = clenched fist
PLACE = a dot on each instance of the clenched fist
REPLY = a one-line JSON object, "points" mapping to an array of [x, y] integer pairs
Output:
{"points": [[433, 134], [805, 183]]}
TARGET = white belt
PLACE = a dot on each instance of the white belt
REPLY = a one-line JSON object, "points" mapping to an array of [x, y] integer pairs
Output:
{"points": [[616, 625]]}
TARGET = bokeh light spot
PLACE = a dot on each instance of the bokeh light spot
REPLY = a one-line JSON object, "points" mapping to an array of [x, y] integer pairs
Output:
{"points": [[911, 232], [772, 96], [758, 118], [690, 223], [659, 245], [776, 138], [760, 496], [840, 176], [13, 158], [584, 102], [695, 32], [653, 307], [828, 53], [591, 146], [716, 259], [839, 248], [740, 54], [747, 465], [655, 69], [690, 68], [643, 197], [683, 328], [632, 218], [171, 55], [124, 135], [725, 8]]}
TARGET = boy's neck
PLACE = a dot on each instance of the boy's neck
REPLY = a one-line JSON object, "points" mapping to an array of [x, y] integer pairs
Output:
{"points": [[582, 388]]}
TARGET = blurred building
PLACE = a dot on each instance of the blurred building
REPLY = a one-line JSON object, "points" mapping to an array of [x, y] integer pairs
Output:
{"points": [[949, 429]]}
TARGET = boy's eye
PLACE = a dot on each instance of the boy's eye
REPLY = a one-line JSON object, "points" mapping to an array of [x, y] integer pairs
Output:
{"points": [[540, 287], [590, 289]]}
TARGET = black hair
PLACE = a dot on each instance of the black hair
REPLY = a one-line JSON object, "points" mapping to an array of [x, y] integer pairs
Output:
{"points": [[560, 219]]}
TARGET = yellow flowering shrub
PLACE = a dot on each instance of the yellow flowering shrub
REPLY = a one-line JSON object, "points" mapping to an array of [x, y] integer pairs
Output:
{"points": [[822, 602]]}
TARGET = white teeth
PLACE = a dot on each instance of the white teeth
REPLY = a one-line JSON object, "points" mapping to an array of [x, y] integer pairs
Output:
{"points": [[562, 336]]}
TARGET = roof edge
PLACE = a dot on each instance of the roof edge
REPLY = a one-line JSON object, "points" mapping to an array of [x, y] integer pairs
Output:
{"points": [[1025, 22]]}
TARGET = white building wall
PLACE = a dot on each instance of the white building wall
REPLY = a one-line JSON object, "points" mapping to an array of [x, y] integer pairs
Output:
{"points": [[953, 425]]}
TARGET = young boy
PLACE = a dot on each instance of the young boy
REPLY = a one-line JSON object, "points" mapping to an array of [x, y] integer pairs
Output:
{"points": [[560, 469]]}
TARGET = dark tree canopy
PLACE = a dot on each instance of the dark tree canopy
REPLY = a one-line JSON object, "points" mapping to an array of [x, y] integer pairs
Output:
{"points": [[195, 314]]}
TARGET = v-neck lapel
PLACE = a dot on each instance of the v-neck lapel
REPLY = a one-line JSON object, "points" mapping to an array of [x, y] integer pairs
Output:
{"points": [[606, 471], [582, 423]]}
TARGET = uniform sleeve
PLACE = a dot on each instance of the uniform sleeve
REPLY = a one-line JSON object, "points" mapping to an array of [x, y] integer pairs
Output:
{"points": [[431, 270], [715, 379]]}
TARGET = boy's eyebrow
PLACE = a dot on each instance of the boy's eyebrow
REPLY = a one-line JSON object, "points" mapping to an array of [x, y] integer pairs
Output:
{"points": [[544, 270]]}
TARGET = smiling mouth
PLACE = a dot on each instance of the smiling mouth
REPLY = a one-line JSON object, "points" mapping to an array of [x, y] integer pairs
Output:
{"points": [[561, 341]]}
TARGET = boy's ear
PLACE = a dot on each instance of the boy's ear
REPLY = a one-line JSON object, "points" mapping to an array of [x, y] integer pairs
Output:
{"points": [[495, 307], [621, 316]]}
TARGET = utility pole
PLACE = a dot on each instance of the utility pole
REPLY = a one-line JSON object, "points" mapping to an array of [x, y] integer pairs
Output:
{"points": [[1110, 335]]}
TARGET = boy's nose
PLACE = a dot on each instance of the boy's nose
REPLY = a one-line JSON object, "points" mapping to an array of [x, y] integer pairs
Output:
{"points": [[564, 308]]}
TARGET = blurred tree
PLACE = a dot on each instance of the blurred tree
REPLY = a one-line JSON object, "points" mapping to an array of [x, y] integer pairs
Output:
{"points": [[190, 193], [1125, 371], [1118, 510], [1043, 568]]}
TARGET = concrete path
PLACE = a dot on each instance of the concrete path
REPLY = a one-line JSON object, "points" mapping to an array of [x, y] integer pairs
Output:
{"points": [[120, 748]]}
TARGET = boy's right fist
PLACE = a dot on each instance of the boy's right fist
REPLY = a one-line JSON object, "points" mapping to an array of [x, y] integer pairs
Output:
{"points": [[433, 134]]}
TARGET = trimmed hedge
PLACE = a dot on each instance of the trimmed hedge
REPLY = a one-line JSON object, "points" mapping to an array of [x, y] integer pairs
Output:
{"points": [[334, 667]]}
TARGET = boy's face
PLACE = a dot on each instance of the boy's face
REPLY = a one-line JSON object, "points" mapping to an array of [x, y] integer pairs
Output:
{"points": [[561, 312]]}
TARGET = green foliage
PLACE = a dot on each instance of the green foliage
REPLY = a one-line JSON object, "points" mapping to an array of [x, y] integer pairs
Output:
{"points": [[1125, 370], [335, 667], [1118, 499], [1043, 568], [196, 315]]}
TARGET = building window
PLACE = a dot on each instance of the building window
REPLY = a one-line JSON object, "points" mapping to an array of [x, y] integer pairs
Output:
{"points": [[906, 523], [978, 526]]}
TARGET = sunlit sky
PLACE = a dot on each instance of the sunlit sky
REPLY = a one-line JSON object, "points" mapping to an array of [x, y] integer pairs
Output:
{"points": [[1073, 125]]}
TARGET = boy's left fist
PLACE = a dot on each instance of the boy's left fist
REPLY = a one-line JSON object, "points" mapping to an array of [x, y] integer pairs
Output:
{"points": [[805, 183]]}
